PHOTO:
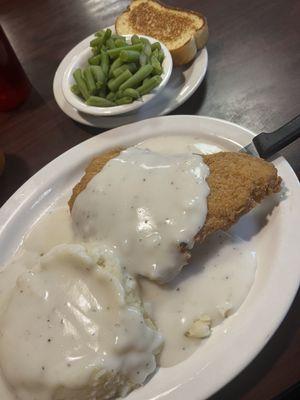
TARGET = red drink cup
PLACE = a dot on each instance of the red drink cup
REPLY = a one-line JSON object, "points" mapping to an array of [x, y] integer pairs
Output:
{"points": [[14, 85]]}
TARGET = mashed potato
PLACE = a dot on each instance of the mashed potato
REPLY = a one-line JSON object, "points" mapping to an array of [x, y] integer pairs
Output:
{"points": [[74, 328]]}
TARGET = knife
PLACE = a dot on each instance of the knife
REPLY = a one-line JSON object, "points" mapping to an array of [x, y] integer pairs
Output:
{"points": [[265, 145]]}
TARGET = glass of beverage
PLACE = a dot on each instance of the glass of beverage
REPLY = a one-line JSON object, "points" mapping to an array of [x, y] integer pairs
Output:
{"points": [[14, 84]]}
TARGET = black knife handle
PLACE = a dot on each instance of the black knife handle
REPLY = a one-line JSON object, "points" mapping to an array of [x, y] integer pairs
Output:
{"points": [[268, 144]]}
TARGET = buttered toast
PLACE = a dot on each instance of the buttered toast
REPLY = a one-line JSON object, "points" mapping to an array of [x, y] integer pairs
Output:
{"points": [[182, 31]]}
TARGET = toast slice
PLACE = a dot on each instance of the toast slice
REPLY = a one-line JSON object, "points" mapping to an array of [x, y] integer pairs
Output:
{"points": [[237, 182], [183, 32]]}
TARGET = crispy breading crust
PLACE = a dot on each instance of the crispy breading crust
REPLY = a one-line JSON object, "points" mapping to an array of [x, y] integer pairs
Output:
{"points": [[237, 183], [91, 170]]}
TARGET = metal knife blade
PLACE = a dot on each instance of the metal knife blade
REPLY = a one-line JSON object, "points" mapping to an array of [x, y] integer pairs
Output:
{"points": [[250, 149]]}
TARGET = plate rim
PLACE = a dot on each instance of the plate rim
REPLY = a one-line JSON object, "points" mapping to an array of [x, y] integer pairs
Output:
{"points": [[16, 200]]}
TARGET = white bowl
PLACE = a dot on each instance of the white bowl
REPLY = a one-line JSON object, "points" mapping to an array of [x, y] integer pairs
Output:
{"points": [[80, 60]]}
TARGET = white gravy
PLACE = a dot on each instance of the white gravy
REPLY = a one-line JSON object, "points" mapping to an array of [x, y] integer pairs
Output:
{"points": [[215, 283], [179, 144], [157, 202], [68, 318]]}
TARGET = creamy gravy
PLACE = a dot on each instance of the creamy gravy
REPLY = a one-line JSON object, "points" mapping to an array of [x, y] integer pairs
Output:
{"points": [[71, 316], [53, 228], [179, 144], [145, 204], [215, 283]]}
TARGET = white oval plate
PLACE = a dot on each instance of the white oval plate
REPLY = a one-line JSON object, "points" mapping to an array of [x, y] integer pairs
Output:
{"points": [[182, 84], [235, 342]]}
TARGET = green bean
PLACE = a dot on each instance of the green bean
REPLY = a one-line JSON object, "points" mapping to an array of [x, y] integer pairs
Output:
{"points": [[161, 56], [100, 85], [75, 90], [98, 73], [115, 36], [114, 84], [95, 60], [129, 55], [120, 43], [147, 49], [111, 96], [110, 43], [156, 65], [82, 86], [155, 45], [145, 41], [87, 73], [118, 71], [98, 41], [131, 93], [124, 100], [146, 79], [105, 61], [131, 67], [155, 53], [95, 51], [100, 33], [143, 59], [102, 91], [113, 53], [119, 94], [107, 35], [135, 39], [99, 102], [116, 64], [149, 85], [138, 77]]}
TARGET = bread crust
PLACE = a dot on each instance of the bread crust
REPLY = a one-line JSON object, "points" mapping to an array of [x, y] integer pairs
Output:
{"points": [[186, 52]]}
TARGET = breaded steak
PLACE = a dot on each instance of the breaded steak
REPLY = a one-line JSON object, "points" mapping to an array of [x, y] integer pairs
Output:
{"points": [[237, 183]]}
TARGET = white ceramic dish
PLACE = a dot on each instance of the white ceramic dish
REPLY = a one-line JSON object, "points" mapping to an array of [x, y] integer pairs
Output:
{"points": [[182, 84], [269, 230], [80, 60]]}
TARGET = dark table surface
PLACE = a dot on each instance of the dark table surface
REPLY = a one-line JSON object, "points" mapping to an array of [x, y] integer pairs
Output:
{"points": [[253, 79]]}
